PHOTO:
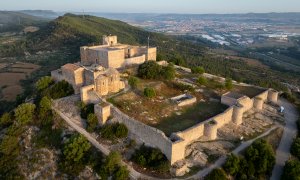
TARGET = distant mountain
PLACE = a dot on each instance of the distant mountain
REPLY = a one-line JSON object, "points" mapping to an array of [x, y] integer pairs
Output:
{"points": [[15, 21], [48, 14]]}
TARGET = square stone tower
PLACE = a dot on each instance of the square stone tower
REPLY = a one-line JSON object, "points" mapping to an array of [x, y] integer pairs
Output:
{"points": [[110, 40]]}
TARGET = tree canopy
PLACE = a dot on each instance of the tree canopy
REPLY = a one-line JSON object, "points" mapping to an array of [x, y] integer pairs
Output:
{"points": [[75, 148], [24, 113]]}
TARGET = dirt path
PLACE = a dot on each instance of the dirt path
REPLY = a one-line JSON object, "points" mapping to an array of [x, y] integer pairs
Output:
{"points": [[289, 133]]}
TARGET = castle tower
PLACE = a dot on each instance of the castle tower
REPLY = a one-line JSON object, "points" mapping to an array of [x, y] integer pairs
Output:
{"points": [[101, 85], [110, 40], [273, 96]]}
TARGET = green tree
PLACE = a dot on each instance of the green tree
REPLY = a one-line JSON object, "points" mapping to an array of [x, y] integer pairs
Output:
{"points": [[198, 70], [291, 170], [232, 164], [149, 70], [168, 72], [43, 83], [216, 174], [295, 150], [121, 174], [45, 106], [24, 113], [260, 155], [133, 81], [149, 92], [92, 122], [202, 80], [6, 120], [112, 161], [75, 148], [60, 89], [228, 84]]}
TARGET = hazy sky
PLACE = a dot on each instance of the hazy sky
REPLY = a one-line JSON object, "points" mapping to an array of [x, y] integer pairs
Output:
{"points": [[156, 6]]}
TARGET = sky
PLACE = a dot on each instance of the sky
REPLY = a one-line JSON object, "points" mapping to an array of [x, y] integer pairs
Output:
{"points": [[156, 6]]}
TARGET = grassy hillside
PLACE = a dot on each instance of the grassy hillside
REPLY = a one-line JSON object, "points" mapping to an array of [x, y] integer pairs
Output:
{"points": [[16, 21]]}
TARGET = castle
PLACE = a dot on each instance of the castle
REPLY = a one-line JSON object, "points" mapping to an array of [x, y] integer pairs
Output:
{"points": [[97, 75], [97, 70]]}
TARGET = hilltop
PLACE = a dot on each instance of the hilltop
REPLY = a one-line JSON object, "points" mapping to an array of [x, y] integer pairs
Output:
{"points": [[73, 31]]}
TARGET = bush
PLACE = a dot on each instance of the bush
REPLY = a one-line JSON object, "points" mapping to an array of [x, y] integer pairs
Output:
{"points": [[86, 109], [6, 120], [121, 174], [168, 72], [149, 92], [92, 122], [232, 165], [43, 83], [228, 84], [216, 174], [198, 70], [75, 148], [295, 150], [60, 90], [202, 80], [24, 113], [133, 81], [291, 170], [149, 70], [113, 131], [151, 158]]}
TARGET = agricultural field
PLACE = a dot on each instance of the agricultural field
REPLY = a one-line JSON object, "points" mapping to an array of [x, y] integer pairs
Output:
{"points": [[10, 76]]}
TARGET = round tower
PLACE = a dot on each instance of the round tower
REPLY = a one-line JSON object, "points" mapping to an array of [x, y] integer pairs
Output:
{"points": [[237, 115], [273, 96], [258, 103], [211, 130]]}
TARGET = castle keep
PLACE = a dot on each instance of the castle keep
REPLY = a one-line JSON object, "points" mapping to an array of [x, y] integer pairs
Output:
{"points": [[116, 55]]}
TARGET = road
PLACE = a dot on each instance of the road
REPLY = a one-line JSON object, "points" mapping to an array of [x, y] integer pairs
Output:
{"points": [[289, 133], [236, 151]]}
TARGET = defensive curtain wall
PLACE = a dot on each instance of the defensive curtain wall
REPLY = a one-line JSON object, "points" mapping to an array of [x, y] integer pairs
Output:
{"points": [[174, 147]]}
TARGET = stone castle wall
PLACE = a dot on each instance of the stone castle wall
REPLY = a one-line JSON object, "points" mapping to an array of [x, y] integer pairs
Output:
{"points": [[135, 60]]}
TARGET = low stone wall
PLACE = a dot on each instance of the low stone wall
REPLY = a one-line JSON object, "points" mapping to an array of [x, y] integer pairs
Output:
{"points": [[184, 100], [135, 60], [191, 134], [229, 101], [224, 117], [57, 75]]}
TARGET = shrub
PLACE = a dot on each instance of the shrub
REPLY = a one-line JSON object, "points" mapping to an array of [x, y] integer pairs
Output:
{"points": [[43, 83], [202, 80], [92, 122], [291, 170], [149, 92], [86, 109], [168, 72], [218, 174], [24, 113], [198, 70], [228, 84], [151, 158], [149, 70], [112, 161], [75, 148], [60, 90], [113, 131], [6, 120], [295, 150], [121, 174], [232, 164], [133, 81]]}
